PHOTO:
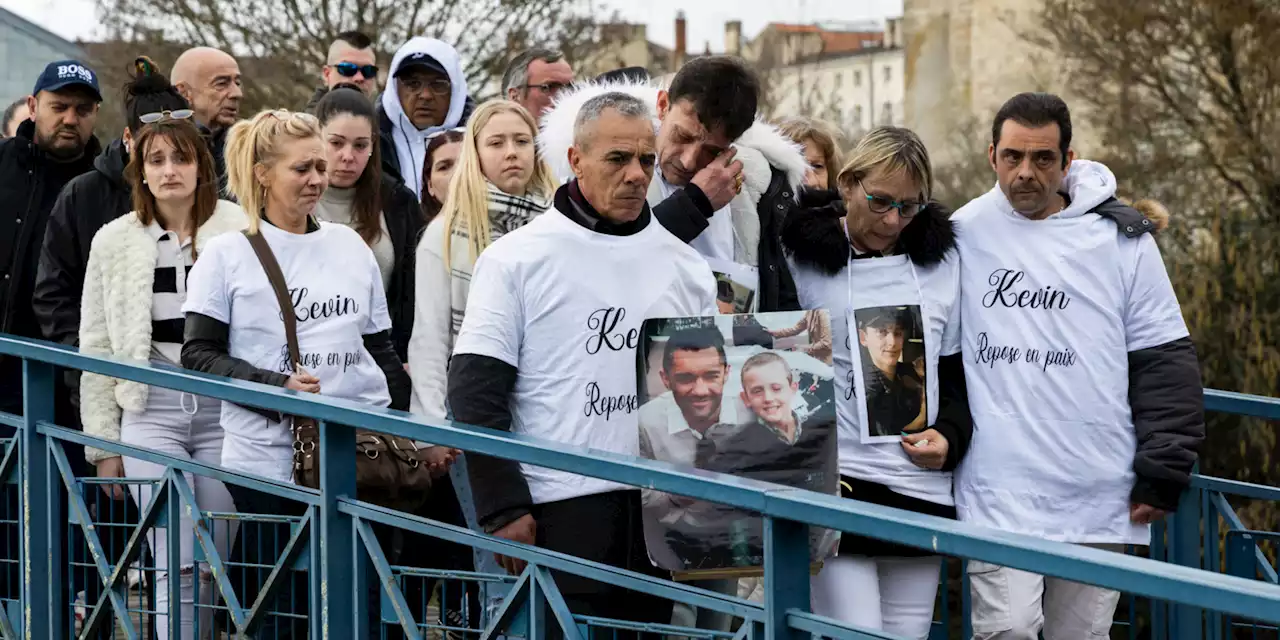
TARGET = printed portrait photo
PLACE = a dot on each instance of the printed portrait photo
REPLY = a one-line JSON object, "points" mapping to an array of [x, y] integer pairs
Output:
{"points": [[741, 395], [891, 371]]}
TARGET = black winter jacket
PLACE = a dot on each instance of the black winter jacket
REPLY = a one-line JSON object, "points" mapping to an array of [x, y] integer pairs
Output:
{"points": [[1166, 394], [86, 204], [405, 224], [687, 213], [30, 182]]}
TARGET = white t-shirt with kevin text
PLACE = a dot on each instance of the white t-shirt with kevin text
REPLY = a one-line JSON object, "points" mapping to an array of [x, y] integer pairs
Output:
{"points": [[867, 283], [1051, 310], [564, 305], [338, 299]]}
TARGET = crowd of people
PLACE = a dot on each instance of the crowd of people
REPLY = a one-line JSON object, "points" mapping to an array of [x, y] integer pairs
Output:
{"points": [[1020, 364]]}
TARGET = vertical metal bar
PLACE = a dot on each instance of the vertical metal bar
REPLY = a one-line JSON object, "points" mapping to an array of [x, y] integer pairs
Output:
{"points": [[337, 446], [537, 613], [173, 536], [966, 602], [1185, 621], [1212, 540], [1159, 550], [313, 575], [786, 575], [939, 629], [56, 518], [360, 604], [38, 385]]}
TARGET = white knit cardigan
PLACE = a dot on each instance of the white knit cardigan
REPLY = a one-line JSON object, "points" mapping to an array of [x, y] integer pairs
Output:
{"points": [[115, 314]]}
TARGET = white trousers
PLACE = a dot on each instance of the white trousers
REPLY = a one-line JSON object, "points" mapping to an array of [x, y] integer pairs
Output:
{"points": [[894, 595], [1009, 604], [183, 426]]}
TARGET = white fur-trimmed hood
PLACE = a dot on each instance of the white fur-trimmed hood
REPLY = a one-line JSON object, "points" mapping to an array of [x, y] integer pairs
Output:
{"points": [[772, 149], [115, 313]]}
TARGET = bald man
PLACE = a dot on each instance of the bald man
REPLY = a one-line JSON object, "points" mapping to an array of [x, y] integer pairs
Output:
{"points": [[210, 81]]}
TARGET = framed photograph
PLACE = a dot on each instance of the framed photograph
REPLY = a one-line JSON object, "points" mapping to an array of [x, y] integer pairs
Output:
{"points": [[740, 394], [889, 371]]}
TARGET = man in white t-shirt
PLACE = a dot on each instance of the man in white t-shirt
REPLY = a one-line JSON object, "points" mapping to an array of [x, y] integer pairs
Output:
{"points": [[1083, 383], [548, 349]]}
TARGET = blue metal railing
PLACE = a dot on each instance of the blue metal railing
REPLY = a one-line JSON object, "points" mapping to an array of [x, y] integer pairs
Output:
{"points": [[330, 549]]}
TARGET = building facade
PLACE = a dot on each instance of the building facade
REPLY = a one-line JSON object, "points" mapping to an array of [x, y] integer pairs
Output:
{"points": [[853, 91], [25, 49], [963, 59]]}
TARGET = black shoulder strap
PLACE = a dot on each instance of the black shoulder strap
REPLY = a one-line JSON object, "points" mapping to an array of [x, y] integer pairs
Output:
{"points": [[1128, 220], [276, 277]]}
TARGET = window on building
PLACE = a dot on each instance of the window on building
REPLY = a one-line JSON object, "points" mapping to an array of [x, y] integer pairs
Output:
{"points": [[838, 80], [888, 73], [886, 112], [857, 78], [857, 116]]}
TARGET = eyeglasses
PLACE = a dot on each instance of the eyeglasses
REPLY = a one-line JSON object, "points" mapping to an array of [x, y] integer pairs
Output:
{"points": [[285, 114], [881, 205], [157, 116], [549, 88], [439, 86], [436, 134], [350, 69]]}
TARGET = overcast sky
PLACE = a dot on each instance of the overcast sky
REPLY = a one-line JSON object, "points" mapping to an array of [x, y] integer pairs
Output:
{"points": [[74, 19]]}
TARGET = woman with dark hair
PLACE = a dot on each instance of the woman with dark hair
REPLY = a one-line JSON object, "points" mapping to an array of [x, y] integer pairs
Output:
{"points": [[387, 217], [91, 201], [133, 296], [382, 211], [442, 156]]}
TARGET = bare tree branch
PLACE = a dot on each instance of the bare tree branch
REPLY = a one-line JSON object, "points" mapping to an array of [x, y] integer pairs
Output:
{"points": [[281, 44]]}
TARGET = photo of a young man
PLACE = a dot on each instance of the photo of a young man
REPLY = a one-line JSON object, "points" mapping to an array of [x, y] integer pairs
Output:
{"points": [[694, 371], [893, 373]]}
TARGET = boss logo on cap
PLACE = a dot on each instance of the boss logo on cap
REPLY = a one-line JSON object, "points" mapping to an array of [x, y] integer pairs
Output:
{"points": [[74, 71]]}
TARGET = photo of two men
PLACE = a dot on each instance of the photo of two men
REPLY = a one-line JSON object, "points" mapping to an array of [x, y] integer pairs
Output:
{"points": [[747, 404]]}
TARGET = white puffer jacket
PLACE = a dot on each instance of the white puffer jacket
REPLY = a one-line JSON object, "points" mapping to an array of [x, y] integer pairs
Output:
{"points": [[115, 314]]}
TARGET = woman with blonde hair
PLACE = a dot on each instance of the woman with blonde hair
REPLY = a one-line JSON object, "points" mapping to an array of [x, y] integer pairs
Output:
{"points": [[499, 185], [134, 289], [277, 170], [880, 254], [820, 149]]}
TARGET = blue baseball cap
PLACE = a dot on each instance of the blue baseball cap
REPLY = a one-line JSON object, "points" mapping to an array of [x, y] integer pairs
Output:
{"points": [[67, 73]]}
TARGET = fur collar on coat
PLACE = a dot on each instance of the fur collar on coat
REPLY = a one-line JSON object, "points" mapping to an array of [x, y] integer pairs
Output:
{"points": [[813, 236]]}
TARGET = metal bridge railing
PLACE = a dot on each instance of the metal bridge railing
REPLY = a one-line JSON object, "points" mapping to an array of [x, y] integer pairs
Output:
{"points": [[328, 574]]}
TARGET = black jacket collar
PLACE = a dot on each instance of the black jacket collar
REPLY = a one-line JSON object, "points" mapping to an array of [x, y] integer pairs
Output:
{"points": [[570, 201], [29, 152], [812, 234]]}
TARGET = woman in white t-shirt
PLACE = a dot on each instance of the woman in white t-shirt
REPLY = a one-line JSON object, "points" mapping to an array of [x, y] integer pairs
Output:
{"points": [[276, 169], [499, 185], [879, 255]]}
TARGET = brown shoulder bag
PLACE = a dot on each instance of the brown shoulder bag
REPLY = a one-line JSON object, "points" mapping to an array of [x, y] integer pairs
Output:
{"points": [[390, 471]]}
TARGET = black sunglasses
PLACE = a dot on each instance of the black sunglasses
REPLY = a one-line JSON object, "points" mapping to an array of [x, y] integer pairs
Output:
{"points": [[350, 69]]}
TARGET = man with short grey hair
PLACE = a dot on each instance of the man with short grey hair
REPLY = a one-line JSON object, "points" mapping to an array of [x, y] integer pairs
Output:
{"points": [[534, 77], [554, 311]]}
